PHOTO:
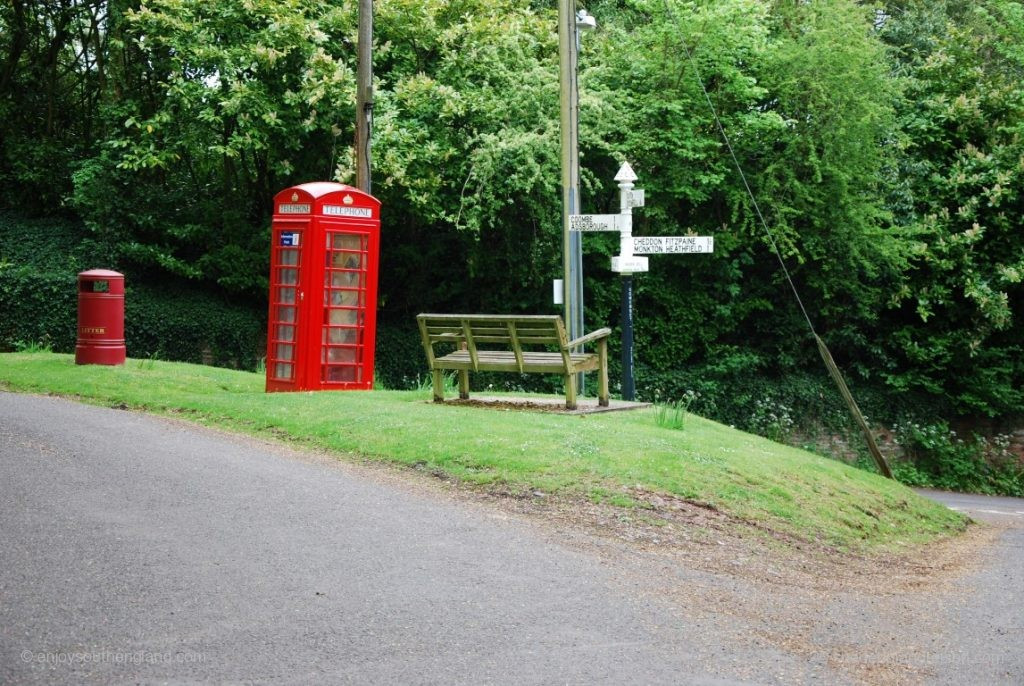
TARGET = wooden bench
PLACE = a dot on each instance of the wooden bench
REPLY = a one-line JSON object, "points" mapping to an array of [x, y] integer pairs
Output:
{"points": [[511, 343]]}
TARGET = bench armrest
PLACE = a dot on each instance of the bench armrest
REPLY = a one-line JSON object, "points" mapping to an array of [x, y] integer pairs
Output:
{"points": [[592, 336]]}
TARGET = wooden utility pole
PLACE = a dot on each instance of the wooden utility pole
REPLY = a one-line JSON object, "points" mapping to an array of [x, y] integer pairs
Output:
{"points": [[569, 107], [364, 95]]}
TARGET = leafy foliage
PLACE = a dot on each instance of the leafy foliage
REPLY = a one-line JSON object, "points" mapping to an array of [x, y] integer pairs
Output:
{"points": [[937, 457], [883, 143], [241, 96], [957, 319]]}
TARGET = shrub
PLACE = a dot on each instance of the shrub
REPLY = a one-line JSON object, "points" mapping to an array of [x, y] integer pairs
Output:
{"points": [[399, 361], [942, 459], [190, 325]]}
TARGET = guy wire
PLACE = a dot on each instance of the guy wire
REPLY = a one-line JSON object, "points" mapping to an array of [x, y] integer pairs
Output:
{"points": [[826, 356]]}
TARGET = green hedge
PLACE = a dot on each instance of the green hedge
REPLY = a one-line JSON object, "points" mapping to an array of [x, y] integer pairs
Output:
{"points": [[189, 325], [173, 320], [177, 323], [38, 308]]}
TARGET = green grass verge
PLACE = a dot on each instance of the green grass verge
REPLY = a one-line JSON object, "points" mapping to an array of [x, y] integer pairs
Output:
{"points": [[615, 458]]}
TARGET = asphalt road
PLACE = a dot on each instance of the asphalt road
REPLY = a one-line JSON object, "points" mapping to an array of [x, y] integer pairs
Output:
{"points": [[984, 507], [140, 550]]}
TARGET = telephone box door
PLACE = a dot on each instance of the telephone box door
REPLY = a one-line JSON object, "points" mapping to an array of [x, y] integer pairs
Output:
{"points": [[350, 299], [287, 320]]}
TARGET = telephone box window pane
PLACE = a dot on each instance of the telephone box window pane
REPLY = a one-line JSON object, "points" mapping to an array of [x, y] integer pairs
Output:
{"points": [[348, 241], [339, 336], [285, 333], [283, 370], [345, 298], [284, 351], [341, 355], [289, 276], [346, 260], [342, 374], [286, 314], [286, 295], [289, 256], [346, 279], [350, 317], [349, 300]]}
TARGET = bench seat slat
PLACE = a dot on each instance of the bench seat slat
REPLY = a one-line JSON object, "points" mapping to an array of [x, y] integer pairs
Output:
{"points": [[505, 361]]}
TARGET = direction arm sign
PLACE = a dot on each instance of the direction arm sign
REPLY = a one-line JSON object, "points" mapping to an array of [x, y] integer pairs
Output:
{"points": [[662, 245], [596, 222]]}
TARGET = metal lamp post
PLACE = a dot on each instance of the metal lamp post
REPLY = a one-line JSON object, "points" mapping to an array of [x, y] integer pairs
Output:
{"points": [[570, 23]]}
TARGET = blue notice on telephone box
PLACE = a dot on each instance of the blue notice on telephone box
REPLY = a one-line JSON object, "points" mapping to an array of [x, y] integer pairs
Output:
{"points": [[290, 239]]}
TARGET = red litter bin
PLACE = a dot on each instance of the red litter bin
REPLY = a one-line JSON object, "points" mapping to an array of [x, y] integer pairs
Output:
{"points": [[100, 318]]}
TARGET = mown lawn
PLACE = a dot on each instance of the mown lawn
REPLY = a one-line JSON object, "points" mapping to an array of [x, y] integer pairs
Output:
{"points": [[608, 457]]}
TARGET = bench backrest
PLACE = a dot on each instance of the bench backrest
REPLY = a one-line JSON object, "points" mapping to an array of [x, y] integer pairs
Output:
{"points": [[489, 331]]}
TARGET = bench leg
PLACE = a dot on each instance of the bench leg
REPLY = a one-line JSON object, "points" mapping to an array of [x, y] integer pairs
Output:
{"points": [[602, 371], [570, 391], [438, 386], [464, 384]]}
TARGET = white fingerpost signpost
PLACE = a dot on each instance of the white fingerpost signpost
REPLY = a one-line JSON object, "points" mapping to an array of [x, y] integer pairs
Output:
{"points": [[631, 260]]}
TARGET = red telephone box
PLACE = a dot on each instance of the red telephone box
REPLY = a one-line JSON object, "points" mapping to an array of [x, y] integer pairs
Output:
{"points": [[324, 256]]}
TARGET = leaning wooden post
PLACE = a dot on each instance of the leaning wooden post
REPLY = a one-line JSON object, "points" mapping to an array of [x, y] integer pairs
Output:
{"points": [[833, 370]]}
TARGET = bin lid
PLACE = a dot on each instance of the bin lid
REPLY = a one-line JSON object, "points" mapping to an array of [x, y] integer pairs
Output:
{"points": [[100, 274]]}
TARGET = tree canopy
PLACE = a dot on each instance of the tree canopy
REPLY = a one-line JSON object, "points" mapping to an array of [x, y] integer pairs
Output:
{"points": [[883, 143]]}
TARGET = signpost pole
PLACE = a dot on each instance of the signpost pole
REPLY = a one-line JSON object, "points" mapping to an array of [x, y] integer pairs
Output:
{"points": [[626, 264], [631, 259], [628, 385]]}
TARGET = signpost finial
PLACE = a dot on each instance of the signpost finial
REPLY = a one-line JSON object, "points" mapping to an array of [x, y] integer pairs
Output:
{"points": [[626, 174]]}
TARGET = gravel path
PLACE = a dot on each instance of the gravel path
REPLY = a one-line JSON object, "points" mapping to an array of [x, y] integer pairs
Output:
{"points": [[141, 550]]}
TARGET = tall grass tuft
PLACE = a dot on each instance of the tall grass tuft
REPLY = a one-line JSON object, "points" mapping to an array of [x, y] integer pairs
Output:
{"points": [[672, 415], [426, 384]]}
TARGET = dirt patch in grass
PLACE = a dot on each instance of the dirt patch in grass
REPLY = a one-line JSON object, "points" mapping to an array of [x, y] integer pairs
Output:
{"points": [[548, 404], [704, 538]]}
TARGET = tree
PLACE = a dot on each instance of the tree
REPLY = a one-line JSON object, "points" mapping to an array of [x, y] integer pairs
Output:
{"points": [[52, 69], [236, 99], [956, 325], [803, 91]]}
